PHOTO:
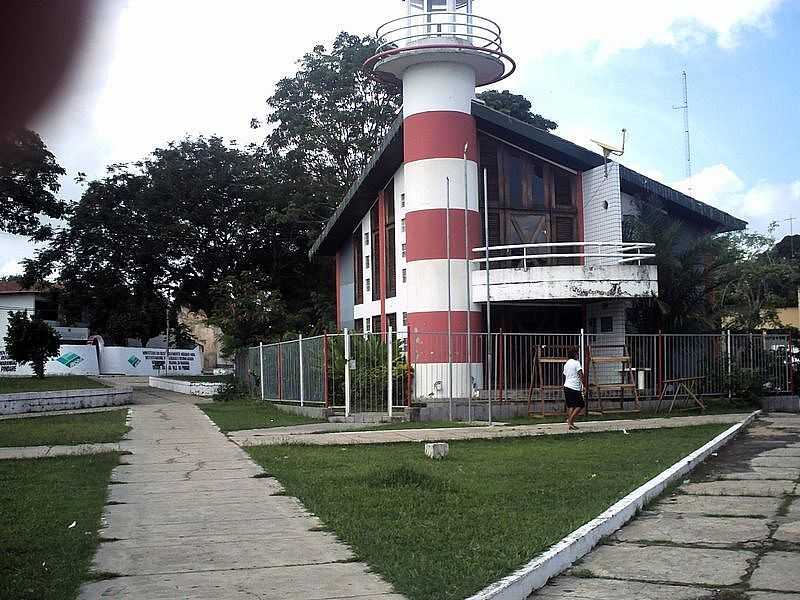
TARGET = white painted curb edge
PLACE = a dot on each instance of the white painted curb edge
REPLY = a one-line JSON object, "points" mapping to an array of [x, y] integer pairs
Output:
{"points": [[523, 582]]}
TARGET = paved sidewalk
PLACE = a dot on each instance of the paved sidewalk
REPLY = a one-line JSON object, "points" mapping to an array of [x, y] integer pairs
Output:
{"points": [[190, 516], [732, 532], [274, 436], [13, 453]]}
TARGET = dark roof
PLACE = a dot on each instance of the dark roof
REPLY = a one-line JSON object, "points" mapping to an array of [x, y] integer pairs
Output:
{"points": [[389, 157]]}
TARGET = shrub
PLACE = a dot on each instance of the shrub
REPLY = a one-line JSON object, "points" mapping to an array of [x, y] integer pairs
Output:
{"points": [[31, 341]]}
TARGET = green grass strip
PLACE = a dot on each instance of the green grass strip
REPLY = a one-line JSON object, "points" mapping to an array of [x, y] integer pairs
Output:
{"points": [[41, 556], [52, 383], [445, 529], [64, 430], [236, 415]]}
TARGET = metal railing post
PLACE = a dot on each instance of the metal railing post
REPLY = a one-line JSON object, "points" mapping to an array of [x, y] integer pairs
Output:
{"points": [[389, 370], [300, 360], [261, 367], [325, 371], [730, 364], [346, 374]]}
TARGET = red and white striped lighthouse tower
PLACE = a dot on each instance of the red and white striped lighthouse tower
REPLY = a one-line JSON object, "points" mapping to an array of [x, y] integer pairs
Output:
{"points": [[440, 51]]}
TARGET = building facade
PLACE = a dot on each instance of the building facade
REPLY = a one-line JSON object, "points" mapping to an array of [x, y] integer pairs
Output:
{"points": [[454, 176]]}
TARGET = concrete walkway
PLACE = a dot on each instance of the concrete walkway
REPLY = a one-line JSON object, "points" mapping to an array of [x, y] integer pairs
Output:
{"points": [[274, 436], [13, 453], [731, 532], [190, 516]]}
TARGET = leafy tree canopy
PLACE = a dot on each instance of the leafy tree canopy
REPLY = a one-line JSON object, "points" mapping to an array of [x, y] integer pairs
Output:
{"points": [[31, 341], [517, 106], [29, 183]]}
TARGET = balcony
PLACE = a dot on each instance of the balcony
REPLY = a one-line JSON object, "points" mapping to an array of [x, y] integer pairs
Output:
{"points": [[565, 271], [435, 36]]}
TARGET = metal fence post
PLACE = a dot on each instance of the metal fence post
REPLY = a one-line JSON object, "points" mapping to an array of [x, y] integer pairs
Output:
{"points": [[261, 367], [730, 364], [346, 374], [389, 370], [300, 359]]}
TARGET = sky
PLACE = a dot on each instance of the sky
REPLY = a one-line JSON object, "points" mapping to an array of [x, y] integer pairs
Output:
{"points": [[152, 71]]}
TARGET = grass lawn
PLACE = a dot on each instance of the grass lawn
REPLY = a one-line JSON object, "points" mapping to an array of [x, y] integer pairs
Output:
{"points": [[41, 557], [201, 378], [713, 407], [235, 415], [445, 529], [83, 428], [422, 425], [12, 385]]}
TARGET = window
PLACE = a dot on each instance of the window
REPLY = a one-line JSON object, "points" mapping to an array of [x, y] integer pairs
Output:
{"points": [[366, 238], [375, 227], [593, 325], [403, 250], [366, 261], [367, 324], [390, 258], [358, 324], [404, 275], [405, 319], [376, 324], [391, 321], [402, 200], [358, 265], [367, 283], [402, 224], [606, 324], [563, 190]]}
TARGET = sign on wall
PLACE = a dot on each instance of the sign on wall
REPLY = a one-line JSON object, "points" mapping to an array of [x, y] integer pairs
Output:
{"points": [[71, 360], [120, 360]]}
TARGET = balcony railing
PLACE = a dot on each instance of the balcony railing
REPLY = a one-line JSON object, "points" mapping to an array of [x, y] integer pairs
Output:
{"points": [[441, 31], [422, 29], [526, 256]]}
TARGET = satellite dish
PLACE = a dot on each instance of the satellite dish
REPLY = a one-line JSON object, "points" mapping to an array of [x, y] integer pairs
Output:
{"points": [[609, 150]]}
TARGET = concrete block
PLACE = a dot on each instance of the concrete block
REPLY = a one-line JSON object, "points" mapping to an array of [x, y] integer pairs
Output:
{"points": [[437, 450]]}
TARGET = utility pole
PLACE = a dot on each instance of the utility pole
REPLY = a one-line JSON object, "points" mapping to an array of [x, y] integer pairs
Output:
{"points": [[685, 108]]}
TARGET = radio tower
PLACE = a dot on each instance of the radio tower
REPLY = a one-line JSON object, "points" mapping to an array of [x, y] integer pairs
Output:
{"points": [[685, 108]]}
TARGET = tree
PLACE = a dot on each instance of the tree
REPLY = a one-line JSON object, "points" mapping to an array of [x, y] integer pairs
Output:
{"points": [[332, 115], [517, 106], [31, 341], [247, 311], [756, 283], [29, 182], [691, 270]]}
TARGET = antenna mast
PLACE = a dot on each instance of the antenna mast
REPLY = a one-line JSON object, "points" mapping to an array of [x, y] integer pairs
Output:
{"points": [[685, 108]]}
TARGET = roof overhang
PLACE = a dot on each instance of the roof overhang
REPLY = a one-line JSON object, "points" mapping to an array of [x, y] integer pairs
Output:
{"points": [[389, 157]]}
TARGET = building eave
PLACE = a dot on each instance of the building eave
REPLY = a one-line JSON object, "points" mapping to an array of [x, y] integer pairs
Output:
{"points": [[389, 157]]}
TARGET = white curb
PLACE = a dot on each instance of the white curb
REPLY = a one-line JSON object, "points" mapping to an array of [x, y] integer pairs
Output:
{"points": [[534, 575]]}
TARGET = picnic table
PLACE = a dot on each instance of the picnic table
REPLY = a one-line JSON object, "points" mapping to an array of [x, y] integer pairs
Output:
{"points": [[681, 387]]}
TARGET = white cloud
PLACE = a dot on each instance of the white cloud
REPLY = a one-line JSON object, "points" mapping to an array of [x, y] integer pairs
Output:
{"points": [[605, 28], [152, 71], [759, 204]]}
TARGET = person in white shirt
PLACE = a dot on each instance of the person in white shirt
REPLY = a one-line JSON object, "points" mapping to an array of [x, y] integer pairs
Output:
{"points": [[573, 387]]}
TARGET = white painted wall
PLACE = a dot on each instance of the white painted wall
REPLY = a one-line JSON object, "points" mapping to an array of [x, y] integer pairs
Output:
{"points": [[602, 207], [568, 282], [71, 360], [398, 304], [438, 86]]}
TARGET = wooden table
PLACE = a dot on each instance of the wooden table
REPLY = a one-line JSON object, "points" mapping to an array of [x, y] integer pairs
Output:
{"points": [[686, 384]]}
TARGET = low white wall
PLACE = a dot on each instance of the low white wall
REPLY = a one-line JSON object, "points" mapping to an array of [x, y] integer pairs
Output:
{"points": [[193, 388], [122, 360], [71, 360], [33, 402], [566, 281]]}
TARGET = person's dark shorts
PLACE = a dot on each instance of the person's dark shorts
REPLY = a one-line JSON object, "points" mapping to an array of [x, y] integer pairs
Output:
{"points": [[574, 398]]}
